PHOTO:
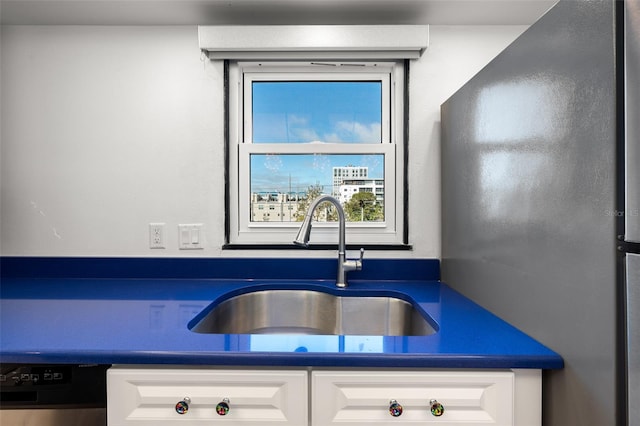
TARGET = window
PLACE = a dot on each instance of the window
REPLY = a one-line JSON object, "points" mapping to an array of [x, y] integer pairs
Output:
{"points": [[301, 129]]}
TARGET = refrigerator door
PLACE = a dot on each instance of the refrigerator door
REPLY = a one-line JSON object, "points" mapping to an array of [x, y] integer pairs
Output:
{"points": [[632, 139], [633, 337]]}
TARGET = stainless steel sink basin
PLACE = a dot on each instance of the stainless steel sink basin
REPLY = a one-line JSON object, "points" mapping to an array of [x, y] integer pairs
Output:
{"points": [[313, 312]]}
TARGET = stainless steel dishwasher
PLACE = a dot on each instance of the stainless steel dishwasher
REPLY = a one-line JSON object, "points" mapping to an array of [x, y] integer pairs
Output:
{"points": [[53, 395]]}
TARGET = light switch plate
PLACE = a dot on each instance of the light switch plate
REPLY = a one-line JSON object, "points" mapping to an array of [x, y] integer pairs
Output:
{"points": [[190, 236]]}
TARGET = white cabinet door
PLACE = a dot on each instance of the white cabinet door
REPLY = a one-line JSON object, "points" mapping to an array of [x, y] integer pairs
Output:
{"points": [[363, 397], [149, 396]]}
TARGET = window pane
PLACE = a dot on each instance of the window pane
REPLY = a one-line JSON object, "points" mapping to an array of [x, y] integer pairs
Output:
{"points": [[317, 111], [283, 186]]}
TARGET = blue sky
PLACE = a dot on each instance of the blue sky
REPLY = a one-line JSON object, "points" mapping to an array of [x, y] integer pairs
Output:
{"points": [[303, 112], [339, 111]]}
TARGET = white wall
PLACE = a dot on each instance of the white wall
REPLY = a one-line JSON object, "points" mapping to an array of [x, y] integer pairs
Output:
{"points": [[105, 129]]}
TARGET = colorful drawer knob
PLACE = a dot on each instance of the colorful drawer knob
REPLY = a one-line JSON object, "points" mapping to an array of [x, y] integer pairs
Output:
{"points": [[183, 406], [437, 409], [395, 409], [223, 407]]}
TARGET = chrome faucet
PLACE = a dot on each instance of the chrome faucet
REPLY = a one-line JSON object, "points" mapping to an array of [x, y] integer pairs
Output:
{"points": [[302, 239]]}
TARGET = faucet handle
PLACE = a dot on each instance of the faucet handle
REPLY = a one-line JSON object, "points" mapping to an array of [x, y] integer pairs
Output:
{"points": [[357, 263]]}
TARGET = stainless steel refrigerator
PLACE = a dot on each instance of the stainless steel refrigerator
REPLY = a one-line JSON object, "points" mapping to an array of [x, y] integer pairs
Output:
{"points": [[540, 201], [630, 234]]}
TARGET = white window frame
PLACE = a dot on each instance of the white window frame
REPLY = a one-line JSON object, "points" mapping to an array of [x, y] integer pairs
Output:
{"points": [[241, 75]]}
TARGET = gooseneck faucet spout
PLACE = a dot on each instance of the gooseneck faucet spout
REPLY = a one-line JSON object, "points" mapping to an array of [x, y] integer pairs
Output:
{"points": [[302, 239]]}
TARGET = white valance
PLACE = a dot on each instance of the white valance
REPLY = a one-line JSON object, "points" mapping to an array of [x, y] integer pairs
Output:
{"points": [[282, 42]]}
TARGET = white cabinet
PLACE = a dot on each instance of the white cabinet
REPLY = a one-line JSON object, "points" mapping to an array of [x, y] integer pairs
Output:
{"points": [[323, 397], [156, 396], [407, 397]]}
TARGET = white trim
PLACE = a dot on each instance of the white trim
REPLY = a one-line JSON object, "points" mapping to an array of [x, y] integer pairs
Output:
{"points": [[350, 55], [527, 397], [314, 41], [242, 230]]}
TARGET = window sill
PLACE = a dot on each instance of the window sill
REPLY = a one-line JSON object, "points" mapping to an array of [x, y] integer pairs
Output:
{"points": [[367, 247]]}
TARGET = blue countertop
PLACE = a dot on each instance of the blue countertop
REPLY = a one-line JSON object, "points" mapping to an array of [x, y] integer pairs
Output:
{"points": [[107, 319]]}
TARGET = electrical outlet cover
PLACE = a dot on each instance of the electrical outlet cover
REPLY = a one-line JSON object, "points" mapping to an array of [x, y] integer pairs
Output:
{"points": [[156, 236]]}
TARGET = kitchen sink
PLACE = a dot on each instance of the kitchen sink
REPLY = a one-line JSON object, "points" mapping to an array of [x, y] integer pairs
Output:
{"points": [[313, 312]]}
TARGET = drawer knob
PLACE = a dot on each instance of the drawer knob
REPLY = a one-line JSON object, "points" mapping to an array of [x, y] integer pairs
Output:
{"points": [[183, 406], [223, 407], [395, 409], [437, 409]]}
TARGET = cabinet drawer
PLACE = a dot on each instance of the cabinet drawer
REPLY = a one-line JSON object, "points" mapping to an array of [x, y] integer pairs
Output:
{"points": [[149, 396], [363, 397]]}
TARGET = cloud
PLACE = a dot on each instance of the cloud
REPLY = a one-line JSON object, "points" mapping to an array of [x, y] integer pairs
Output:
{"points": [[296, 120], [276, 127], [355, 132], [305, 135]]}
